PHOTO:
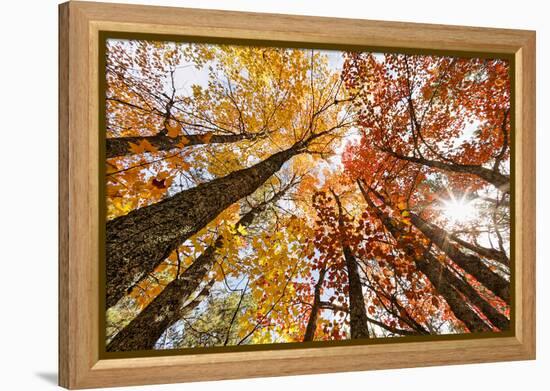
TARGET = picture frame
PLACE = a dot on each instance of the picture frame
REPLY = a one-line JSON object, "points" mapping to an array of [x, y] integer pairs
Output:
{"points": [[81, 24]]}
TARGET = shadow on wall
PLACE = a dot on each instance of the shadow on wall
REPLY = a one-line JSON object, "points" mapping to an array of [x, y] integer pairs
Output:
{"points": [[48, 377]]}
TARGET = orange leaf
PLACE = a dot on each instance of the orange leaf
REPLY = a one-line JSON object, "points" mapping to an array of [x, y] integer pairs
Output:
{"points": [[143, 146], [111, 167], [173, 129], [183, 142]]}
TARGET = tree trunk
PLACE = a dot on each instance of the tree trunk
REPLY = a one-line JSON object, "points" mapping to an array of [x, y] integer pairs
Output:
{"points": [[121, 146], [138, 242], [439, 275], [315, 308], [436, 273], [469, 262], [494, 316], [147, 327], [358, 313], [489, 253]]}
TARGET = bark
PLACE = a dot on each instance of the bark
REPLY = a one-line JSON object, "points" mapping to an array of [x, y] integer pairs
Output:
{"points": [[437, 274], [147, 327], [315, 308], [120, 146], [489, 253], [439, 277], [469, 262], [358, 313], [493, 177], [494, 316], [357, 310], [165, 310], [138, 242]]}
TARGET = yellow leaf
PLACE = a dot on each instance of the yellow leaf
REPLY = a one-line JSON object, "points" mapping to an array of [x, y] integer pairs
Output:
{"points": [[402, 205], [242, 230], [184, 165]]}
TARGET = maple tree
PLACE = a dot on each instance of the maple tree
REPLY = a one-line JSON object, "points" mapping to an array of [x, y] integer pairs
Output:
{"points": [[260, 195]]}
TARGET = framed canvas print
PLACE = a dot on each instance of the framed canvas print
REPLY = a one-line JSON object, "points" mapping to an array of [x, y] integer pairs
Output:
{"points": [[251, 195]]}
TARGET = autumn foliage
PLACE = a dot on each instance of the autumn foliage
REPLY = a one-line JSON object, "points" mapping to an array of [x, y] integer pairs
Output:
{"points": [[263, 195]]}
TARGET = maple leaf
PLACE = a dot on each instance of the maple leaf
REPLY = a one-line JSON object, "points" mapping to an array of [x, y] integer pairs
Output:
{"points": [[242, 230], [183, 141], [174, 129], [143, 146]]}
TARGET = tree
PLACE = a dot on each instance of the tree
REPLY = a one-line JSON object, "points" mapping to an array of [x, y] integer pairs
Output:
{"points": [[267, 195], [138, 241], [421, 109], [451, 287], [166, 309]]}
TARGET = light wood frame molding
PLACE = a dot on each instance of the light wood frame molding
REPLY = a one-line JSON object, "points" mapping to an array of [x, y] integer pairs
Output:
{"points": [[79, 26]]}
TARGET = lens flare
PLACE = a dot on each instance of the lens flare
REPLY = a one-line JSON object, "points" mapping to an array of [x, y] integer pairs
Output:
{"points": [[458, 211]]}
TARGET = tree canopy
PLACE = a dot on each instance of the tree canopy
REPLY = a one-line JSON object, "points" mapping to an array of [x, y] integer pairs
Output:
{"points": [[264, 195]]}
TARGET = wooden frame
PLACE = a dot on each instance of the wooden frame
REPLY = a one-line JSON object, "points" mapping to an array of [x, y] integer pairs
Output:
{"points": [[80, 24]]}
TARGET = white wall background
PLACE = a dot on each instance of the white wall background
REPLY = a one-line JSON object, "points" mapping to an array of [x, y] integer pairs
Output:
{"points": [[28, 193]]}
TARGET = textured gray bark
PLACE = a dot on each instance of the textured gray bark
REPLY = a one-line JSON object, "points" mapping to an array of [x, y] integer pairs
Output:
{"points": [[469, 262], [147, 327], [138, 242], [120, 146], [439, 277], [450, 286]]}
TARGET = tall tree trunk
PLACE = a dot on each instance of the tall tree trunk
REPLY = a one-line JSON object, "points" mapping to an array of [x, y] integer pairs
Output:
{"points": [[469, 262], [441, 239], [138, 242], [436, 273], [357, 310], [146, 328], [315, 307], [121, 146], [440, 277], [473, 296]]}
